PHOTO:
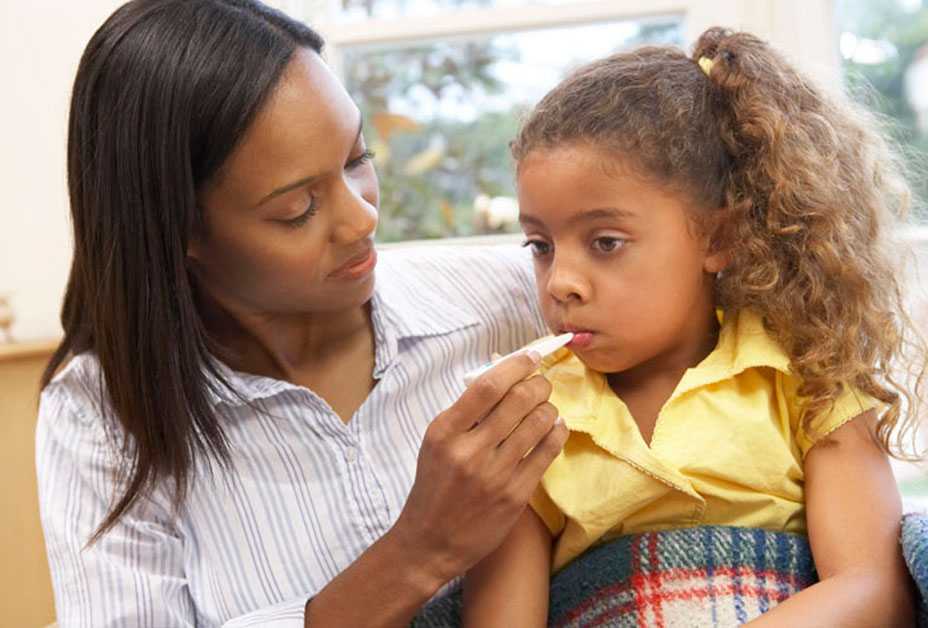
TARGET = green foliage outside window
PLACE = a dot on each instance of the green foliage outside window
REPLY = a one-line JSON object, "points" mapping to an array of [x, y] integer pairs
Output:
{"points": [[881, 43], [440, 116]]}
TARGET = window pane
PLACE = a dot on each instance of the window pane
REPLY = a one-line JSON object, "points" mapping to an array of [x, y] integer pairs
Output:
{"points": [[440, 115], [884, 50]]}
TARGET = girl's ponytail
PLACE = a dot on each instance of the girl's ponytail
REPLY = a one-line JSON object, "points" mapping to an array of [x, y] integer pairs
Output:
{"points": [[812, 194]]}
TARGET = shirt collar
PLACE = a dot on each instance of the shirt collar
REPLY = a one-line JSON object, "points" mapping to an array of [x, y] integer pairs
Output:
{"points": [[417, 311], [241, 388], [398, 311], [744, 343]]}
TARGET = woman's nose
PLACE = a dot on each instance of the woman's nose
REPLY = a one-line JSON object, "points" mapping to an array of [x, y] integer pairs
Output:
{"points": [[358, 216]]}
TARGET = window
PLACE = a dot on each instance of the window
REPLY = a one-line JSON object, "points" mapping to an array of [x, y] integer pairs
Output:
{"points": [[439, 116], [443, 83], [360, 10], [884, 59], [884, 52]]}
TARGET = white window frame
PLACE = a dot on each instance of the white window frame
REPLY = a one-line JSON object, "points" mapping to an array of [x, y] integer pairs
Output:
{"points": [[804, 29]]}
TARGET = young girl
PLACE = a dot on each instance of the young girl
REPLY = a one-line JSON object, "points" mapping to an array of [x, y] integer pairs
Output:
{"points": [[712, 230]]}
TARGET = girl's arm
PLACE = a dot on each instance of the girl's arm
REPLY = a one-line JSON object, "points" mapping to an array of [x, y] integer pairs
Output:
{"points": [[510, 586], [854, 515]]}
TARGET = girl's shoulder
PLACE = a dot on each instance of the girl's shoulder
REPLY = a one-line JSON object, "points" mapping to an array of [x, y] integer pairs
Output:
{"points": [[751, 345], [850, 403]]}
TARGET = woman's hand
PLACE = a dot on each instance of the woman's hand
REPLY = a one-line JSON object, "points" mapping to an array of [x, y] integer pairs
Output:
{"points": [[479, 463]]}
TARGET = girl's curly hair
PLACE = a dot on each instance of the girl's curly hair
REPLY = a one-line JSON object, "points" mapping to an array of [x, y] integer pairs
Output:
{"points": [[798, 186]]}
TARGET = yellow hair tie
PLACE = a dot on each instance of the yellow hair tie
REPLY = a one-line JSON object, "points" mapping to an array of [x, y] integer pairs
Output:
{"points": [[706, 64]]}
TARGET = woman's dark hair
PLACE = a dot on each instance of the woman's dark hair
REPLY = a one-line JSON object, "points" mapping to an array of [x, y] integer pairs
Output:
{"points": [[164, 92]]}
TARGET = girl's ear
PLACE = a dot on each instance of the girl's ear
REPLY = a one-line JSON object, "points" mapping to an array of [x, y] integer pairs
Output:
{"points": [[717, 241], [718, 255], [716, 262]]}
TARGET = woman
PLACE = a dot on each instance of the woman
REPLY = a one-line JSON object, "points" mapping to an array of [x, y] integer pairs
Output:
{"points": [[238, 428]]}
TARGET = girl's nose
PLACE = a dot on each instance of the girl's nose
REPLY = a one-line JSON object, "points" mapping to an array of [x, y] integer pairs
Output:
{"points": [[566, 282]]}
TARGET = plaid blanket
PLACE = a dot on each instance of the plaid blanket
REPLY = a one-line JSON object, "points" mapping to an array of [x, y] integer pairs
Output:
{"points": [[705, 576], [915, 551]]}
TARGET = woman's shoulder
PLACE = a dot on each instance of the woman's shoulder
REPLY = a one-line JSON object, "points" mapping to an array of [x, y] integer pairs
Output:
{"points": [[486, 274], [500, 263], [488, 284], [78, 392]]}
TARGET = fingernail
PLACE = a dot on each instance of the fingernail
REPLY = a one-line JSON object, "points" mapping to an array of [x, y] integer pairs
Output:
{"points": [[534, 356], [559, 421]]}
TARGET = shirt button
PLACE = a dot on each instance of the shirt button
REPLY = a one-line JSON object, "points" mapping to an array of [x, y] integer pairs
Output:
{"points": [[351, 455]]}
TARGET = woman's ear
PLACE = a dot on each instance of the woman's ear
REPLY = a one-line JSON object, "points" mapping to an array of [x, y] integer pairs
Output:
{"points": [[193, 248], [197, 234]]}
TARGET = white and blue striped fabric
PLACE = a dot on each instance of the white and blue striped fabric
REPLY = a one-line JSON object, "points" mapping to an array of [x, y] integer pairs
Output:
{"points": [[307, 493]]}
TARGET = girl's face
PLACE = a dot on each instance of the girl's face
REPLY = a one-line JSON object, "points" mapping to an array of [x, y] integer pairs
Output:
{"points": [[617, 259], [290, 218]]}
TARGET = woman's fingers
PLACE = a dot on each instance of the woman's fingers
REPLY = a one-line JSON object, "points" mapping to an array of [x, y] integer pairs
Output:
{"points": [[472, 484], [520, 402], [527, 434], [533, 466], [481, 397]]}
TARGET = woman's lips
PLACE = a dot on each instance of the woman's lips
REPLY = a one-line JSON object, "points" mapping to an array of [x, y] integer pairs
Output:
{"points": [[357, 267]]}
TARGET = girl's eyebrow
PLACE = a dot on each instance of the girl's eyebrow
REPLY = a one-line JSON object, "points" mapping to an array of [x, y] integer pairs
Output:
{"points": [[601, 212], [614, 213]]}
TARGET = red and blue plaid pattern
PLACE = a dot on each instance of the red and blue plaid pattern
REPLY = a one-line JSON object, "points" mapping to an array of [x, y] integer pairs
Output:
{"points": [[705, 576], [708, 576]]}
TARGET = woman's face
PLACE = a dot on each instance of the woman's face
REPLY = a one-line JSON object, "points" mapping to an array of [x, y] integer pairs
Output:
{"points": [[290, 217]]}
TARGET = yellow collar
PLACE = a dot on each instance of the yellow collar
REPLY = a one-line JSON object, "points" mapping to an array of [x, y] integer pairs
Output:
{"points": [[743, 344]]}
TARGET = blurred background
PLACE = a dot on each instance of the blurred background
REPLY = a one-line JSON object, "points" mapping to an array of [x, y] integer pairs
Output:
{"points": [[442, 85]]}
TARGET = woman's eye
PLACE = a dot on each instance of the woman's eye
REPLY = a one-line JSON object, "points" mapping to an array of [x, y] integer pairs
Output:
{"points": [[303, 218], [539, 247], [608, 245], [365, 157]]}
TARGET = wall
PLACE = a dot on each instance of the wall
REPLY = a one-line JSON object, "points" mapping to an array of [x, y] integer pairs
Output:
{"points": [[25, 587], [40, 45]]}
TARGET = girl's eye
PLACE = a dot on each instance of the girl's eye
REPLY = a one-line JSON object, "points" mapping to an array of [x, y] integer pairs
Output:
{"points": [[365, 157], [539, 247], [608, 245], [303, 218]]}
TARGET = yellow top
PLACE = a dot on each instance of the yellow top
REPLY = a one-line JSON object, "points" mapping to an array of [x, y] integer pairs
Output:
{"points": [[727, 447]]}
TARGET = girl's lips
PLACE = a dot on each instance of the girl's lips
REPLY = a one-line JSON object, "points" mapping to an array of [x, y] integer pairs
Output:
{"points": [[581, 339]]}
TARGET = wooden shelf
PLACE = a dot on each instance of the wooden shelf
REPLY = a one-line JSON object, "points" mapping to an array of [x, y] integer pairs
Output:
{"points": [[21, 350]]}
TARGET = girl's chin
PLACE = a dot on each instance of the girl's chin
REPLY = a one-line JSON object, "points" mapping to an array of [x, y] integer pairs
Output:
{"points": [[599, 360]]}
